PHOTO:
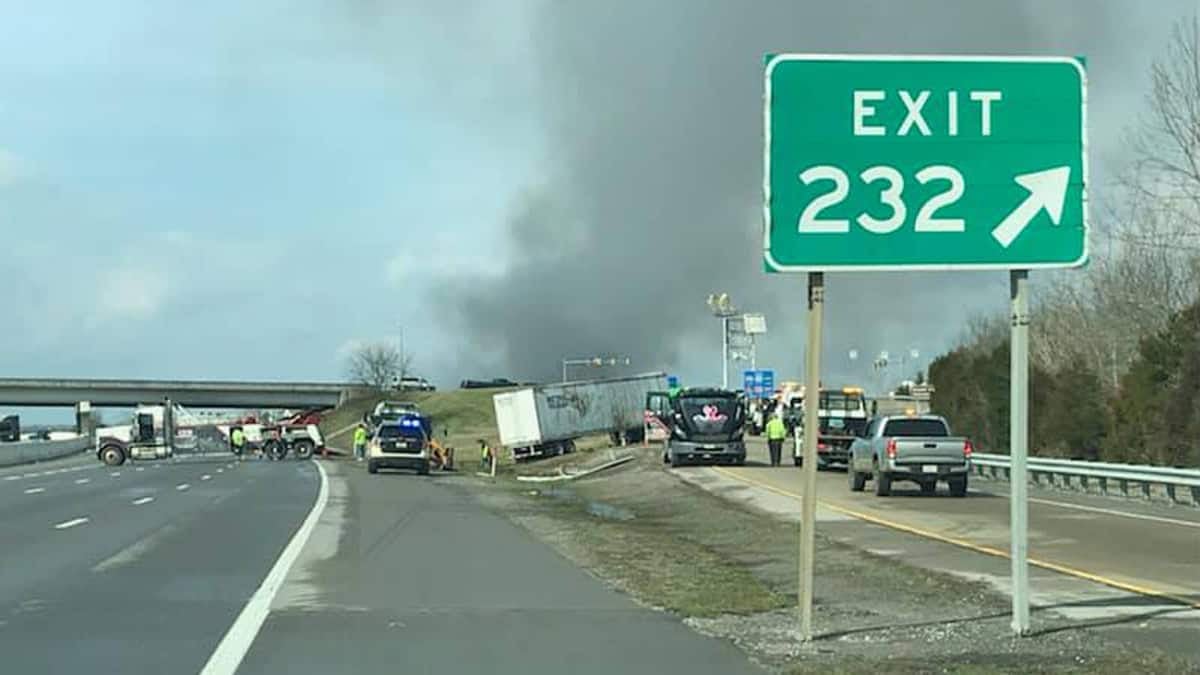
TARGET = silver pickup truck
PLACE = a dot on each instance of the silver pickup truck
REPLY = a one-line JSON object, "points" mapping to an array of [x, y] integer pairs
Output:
{"points": [[918, 448]]}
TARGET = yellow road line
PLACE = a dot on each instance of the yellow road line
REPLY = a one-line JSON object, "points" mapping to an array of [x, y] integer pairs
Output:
{"points": [[979, 548]]}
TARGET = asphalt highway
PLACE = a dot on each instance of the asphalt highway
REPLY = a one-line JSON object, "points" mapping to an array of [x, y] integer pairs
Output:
{"points": [[187, 566], [141, 568], [407, 574], [1142, 545]]}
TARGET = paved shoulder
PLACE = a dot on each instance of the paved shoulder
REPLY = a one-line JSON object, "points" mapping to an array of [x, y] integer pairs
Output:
{"points": [[411, 574]]}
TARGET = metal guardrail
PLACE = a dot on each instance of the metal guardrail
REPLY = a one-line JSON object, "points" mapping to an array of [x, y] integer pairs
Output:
{"points": [[25, 452], [1126, 480]]}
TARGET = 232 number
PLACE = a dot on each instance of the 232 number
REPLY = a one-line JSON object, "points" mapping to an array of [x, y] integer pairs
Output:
{"points": [[890, 197]]}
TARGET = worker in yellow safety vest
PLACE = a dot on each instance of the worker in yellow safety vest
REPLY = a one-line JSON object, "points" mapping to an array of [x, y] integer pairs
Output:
{"points": [[776, 432], [360, 443], [485, 455], [237, 442]]}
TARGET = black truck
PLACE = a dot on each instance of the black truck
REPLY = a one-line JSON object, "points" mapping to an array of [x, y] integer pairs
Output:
{"points": [[707, 426]]}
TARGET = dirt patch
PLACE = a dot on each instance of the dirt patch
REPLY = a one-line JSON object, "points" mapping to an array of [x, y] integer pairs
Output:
{"points": [[730, 572]]}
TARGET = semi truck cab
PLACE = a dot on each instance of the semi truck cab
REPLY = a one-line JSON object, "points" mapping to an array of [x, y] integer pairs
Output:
{"points": [[707, 427]]}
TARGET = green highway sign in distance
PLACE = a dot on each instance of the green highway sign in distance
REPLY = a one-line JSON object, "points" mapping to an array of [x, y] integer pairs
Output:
{"points": [[924, 162]]}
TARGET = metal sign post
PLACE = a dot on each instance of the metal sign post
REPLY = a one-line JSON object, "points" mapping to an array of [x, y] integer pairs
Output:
{"points": [[1018, 425], [808, 505]]}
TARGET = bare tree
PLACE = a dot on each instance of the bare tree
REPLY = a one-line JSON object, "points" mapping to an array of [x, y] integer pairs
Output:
{"points": [[1144, 253], [1167, 142], [377, 364]]}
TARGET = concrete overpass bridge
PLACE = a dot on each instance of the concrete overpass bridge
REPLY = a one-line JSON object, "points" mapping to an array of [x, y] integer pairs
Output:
{"points": [[192, 393]]}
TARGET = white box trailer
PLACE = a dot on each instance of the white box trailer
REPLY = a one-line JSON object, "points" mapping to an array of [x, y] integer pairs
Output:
{"points": [[546, 419]]}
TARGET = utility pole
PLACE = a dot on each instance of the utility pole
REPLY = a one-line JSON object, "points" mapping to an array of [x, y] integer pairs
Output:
{"points": [[403, 360]]}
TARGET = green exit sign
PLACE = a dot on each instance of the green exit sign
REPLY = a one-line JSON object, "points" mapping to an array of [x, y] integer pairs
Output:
{"points": [[924, 162]]}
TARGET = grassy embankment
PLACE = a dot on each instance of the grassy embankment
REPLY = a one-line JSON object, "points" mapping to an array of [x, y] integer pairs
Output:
{"points": [[460, 418]]}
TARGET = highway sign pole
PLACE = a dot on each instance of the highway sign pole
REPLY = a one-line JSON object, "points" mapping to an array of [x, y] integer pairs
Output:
{"points": [[925, 162], [808, 504], [1019, 448], [724, 352]]}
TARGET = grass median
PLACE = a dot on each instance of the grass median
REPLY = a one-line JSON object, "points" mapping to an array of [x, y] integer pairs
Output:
{"points": [[730, 572]]}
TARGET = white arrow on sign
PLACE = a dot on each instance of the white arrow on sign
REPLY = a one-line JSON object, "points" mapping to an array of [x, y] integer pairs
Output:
{"points": [[1047, 190]]}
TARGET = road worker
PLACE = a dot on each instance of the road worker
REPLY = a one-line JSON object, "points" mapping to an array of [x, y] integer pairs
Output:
{"points": [[360, 443], [776, 433], [237, 442], [485, 456]]}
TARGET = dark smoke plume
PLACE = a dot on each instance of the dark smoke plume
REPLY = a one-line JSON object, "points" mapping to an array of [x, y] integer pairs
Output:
{"points": [[653, 122]]}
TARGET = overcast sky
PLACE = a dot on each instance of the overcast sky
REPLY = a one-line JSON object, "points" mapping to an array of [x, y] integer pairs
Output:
{"points": [[243, 189]]}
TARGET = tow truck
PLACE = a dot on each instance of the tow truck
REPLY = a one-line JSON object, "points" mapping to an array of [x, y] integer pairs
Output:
{"points": [[296, 434], [841, 417]]}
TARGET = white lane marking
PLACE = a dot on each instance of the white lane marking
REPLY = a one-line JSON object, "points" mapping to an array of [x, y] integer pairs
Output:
{"points": [[70, 523], [34, 491], [233, 647], [220, 469], [29, 475], [205, 477], [12, 478], [140, 468], [115, 474], [81, 481], [182, 486], [1114, 512], [142, 500]]}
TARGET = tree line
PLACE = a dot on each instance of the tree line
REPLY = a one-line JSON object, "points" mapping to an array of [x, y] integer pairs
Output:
{"points": [[1115, 347]]}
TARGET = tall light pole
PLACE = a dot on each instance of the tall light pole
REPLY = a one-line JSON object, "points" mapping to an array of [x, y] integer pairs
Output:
{"points": [[884, 360], [722, 308], [403, 365]]}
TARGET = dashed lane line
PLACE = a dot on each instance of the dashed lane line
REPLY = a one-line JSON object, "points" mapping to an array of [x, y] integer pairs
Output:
{"points": [[68, 524]]}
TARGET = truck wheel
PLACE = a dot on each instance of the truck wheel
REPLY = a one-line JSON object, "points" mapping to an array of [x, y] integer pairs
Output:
{"points": [[958, 487], [928, 487], [858, 480], [371, 467], [112, 455], [423, 470], [303, 449], [676, 461], [883, 483], [275, 449], [666, 458]]}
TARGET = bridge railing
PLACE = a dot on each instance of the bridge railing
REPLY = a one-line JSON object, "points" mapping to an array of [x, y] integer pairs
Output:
{"points": [[1127, 480]]}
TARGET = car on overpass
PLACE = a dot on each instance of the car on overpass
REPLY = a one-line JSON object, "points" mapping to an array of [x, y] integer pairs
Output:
{"points": [[411, 383]]}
